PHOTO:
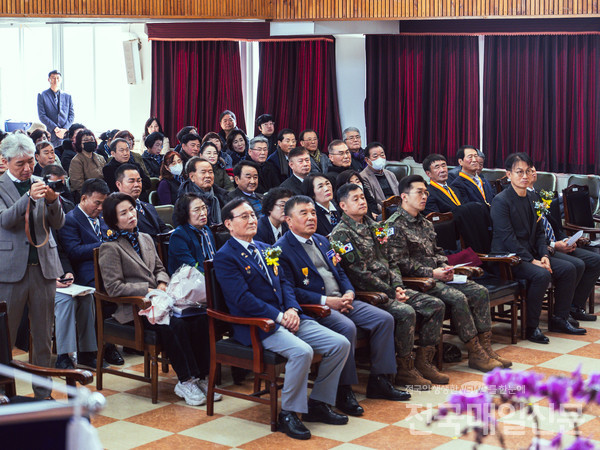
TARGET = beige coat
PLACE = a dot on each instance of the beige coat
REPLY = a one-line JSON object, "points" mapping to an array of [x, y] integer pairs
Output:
{"points": [[83, 168]]}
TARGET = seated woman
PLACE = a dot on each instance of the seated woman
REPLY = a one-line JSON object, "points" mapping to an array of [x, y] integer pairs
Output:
{"points": [[171, 178], [130, 267], [153, 125], [319, 188], [216, 139], [352, 176], [87, 163], [237, 146], [193, 242], [151, 156], [210, 152], [272, 225]]}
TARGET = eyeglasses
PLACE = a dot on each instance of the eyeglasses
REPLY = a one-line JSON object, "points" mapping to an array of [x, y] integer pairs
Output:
{"points": [[261, 150], [280, 205], [521, 173], [346, 153], [420, 193], [199, 210], [246, 216], [311, 140], [353, 138]]}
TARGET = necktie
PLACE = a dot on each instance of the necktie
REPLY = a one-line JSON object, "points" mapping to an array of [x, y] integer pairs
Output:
{"points": [[445, 186], [478, 182], [139, 208], [278, 235], [96, 226], [252, 249], [548, 229]]}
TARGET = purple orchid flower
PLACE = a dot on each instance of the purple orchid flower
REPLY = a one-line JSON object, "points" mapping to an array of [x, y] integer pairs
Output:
{"points": [[581, 444]]}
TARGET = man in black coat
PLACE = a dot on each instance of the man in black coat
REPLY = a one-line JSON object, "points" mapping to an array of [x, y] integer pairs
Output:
{"points": [[268, 176], [442, 198]]}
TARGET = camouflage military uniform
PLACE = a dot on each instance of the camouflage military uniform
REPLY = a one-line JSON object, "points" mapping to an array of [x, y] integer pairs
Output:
{"points": [[367, 267], [412, 250]]}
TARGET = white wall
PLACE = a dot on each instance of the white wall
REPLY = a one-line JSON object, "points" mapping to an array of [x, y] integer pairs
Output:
{"points": [[140, 94]]}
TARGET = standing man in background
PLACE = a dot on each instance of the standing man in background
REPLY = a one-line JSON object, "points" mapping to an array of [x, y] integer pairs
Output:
{"points": [[55, 109]]}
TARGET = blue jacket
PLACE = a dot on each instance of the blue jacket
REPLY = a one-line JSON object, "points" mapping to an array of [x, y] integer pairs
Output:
{"points": [[294, 258], [468, 192], [264, 232], [51, 116], [185, 248], [247, 290], [78, 239]]}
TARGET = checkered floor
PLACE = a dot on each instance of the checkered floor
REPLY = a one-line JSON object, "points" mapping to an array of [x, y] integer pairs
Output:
{"points": [[130, 420]]}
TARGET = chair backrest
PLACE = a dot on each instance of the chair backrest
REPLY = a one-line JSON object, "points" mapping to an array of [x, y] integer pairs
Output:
{"points": [[474, 225], [400, 170], [98, 274], [154, 182], [214, 297], [493, 174], [165, 212], [500, 183], [389, 206], [593, 183], [546, 181], [162, 247], [445, 230], [221, 234], [578, 210], [153, 198]]}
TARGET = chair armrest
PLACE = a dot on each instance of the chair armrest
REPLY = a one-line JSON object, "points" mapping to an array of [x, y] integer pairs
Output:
{"points": [[469, 271], [574, 228], [263, 323], [318, 311], [137, 301], [422, 284], [374, 298], [510, 260], [81, 376]]}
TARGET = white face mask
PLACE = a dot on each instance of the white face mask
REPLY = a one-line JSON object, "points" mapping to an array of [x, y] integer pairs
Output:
{"points": [[379, 163], [176, 169]]}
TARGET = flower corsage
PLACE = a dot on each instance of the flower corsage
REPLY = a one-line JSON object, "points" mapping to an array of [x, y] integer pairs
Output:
{"points": [[271, 255]]}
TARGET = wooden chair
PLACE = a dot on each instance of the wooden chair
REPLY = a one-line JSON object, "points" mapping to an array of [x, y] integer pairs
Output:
{"points": [[399, 169], [72, 376], [593, 184], [266, 365], [134, 336], [500, 183], [578, 211], [165, 212], [389, 205]]}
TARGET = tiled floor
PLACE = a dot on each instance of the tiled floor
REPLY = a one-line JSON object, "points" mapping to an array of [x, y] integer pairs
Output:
{"points": [[130, 420]]}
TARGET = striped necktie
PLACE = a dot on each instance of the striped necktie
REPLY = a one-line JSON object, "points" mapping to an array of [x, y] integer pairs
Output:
{"points": [[252, 249], [96, 225], [548, 229]]}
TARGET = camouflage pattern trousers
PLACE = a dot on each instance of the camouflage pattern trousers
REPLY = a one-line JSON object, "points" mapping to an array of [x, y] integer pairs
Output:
{"points": [[469, 307], [428, 310]]}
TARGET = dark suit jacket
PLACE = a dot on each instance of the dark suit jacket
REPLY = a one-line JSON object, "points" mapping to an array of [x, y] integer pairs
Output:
{"points": [[294, 258], [79, 240], [150, 222], [185, 248], [268, 177], [247, 289], [514, 233], [293, 184], [438, 202], [453, 173], [324, 227], [468, 192], [274, 160], [109, 174], [51, 116], [238, 193], [264, 233]]}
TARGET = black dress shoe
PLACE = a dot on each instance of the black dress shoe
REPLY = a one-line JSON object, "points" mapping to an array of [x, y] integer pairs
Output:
{"points": [[112, 355], [64, 362], [347, 403], [292, 426], [380, 387], [322, 412], [536, 335], [88, 360], [572, 321], [560, 325], [579, 313]]}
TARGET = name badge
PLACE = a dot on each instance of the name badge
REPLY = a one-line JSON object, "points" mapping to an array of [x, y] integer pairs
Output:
{"points": [[330, 254]]}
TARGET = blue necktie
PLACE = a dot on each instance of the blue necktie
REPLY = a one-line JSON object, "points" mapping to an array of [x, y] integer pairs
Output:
{"points": [[138, 206], [96, 226], [548, 229], [252, 249]]}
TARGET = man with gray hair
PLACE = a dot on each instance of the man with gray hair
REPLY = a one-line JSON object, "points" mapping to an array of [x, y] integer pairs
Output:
{"points": [[268, 177], [351, 136], [30, 264]]}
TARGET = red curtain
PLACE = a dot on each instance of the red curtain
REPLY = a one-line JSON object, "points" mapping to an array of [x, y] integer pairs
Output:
{"points": [[542, 97], [297, 85], [422, 94], [193, 82]]}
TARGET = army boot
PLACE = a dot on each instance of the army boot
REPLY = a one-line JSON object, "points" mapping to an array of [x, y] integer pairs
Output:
{"points": [[426, 368], [485, 339], [478, 358], [408, 376]]}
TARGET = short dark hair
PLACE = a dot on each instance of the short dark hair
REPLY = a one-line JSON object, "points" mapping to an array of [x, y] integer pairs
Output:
{"points": [[120, 172], [54, 169], [36, 134], [73, 128], [114, 142], [125, 134], [54, 72], [190, 166], [92, 185], [181, 212], [345, 190], [225, 113], [264, 118], [297, 200], [213, 135], [78, 140], [205, 145], [371, 146], [460, 153], [334, 143], [514, 158], [108, 135], [185, 130], [237, 169], [283, 132], [344, 178], [297, 151], [308, 187], [152, 138], [308, 130], [149, 122], [227, 211], [272, 197], [109, 208], [42, 144], [406, 183], [430, 159], [189, 137]]}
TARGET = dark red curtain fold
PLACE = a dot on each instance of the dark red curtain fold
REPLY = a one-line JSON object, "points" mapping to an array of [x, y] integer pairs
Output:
{"points": [[193, 82], [297, 85], [542, 96], [422, 94]]}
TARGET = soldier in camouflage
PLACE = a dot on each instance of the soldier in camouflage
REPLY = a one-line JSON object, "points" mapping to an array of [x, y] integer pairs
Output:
{"points": [[412, 250], [365, 262]]}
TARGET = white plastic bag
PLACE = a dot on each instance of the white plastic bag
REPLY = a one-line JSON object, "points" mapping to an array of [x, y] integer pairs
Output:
{"points": [[187, 287], [159, 313]]}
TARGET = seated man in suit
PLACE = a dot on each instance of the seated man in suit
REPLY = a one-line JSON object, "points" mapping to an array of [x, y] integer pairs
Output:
{"points": [[380, 182], [286, 141], [517, 230], [85, 230], [469, 185], [245, 174], [268, 176], [319, 161], [412, 250], [311, 267], [351, 137], [586, 262], [299, 162], [253, 288], [119, 150], [129, 181], [340, 159], [271, 226], [442, 198], [366, 263], [201, 180]]}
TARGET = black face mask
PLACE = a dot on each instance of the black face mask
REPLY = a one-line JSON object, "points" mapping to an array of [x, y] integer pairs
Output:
{"points": [[89, 147]]}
